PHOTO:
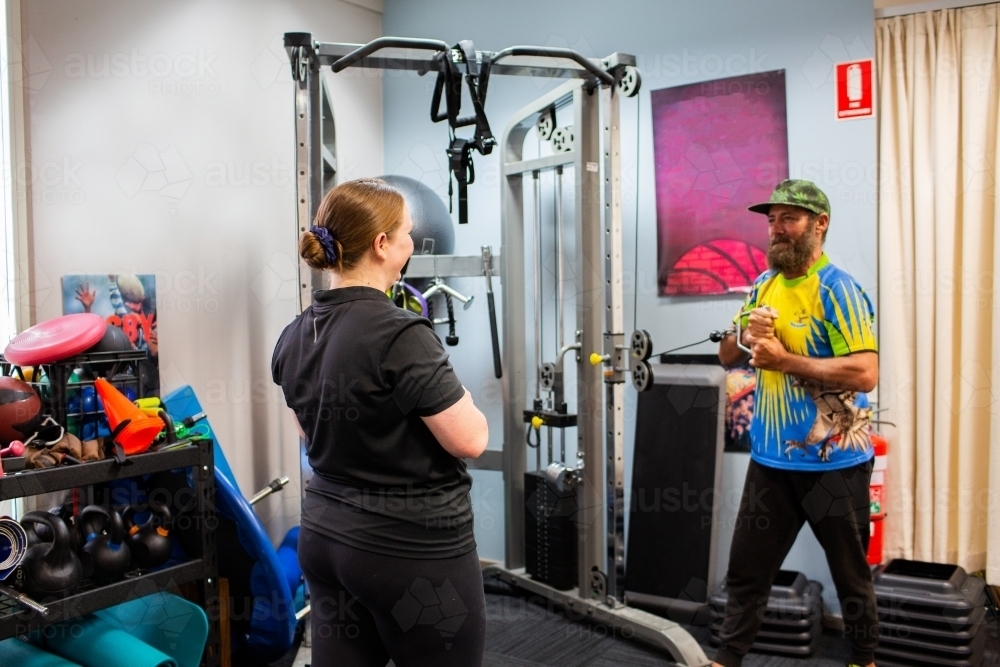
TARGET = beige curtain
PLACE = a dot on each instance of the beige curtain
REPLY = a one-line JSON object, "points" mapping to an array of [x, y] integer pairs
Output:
{"points": [[938, 281]]}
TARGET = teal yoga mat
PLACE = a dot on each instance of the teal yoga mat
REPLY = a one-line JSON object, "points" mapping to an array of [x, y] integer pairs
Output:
{"points": [[93, 642], [166, 622], [23, 654]]}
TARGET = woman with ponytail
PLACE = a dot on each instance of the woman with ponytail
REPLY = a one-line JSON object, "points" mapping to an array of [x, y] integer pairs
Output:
{"points": [[387, 526]]}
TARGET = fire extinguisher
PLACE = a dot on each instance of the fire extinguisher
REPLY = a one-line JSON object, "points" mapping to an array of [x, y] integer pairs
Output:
{"points": [[876, 495]]}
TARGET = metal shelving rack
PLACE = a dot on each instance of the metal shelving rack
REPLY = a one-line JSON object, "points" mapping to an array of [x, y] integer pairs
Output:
{"points": [[16, 621]]}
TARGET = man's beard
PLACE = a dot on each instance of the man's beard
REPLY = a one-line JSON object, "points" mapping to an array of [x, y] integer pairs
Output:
{"points": [[794, 254]]}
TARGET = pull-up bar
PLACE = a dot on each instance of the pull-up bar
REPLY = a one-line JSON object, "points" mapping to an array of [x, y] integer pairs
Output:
{"points": [[387, 43], [547, 52], [478, 66]]}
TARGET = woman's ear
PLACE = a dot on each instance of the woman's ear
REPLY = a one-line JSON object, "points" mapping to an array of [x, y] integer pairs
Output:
{"points": [[380, 245]]}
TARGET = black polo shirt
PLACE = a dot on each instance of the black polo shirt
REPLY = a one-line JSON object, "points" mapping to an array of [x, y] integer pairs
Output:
{"points": [[359, 373]]}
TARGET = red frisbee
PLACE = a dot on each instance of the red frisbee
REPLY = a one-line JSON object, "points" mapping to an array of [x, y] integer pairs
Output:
{"points": [[55, 339]]}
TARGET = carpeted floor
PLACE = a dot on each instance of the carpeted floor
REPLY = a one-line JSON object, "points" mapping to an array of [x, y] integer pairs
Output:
{"points": [[522, 634]]}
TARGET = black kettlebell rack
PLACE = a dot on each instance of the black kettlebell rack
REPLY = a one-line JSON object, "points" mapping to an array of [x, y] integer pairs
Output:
{"points": [[90, 597]]}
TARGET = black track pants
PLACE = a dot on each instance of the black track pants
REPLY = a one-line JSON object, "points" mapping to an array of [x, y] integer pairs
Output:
{"points": [[368, 608], [774, 506]]}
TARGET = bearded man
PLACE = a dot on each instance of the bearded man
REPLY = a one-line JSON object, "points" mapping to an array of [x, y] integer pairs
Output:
{"points": [[809, 328]]}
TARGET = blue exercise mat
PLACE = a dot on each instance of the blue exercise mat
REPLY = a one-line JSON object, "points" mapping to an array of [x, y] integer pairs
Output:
{"points": [[91, 641], [288, 556], [17, 653], [271, 628], [256, 571], [181, 404], [167, 622]]}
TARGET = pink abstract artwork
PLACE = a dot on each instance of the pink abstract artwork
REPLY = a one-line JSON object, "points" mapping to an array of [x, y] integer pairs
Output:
{"points": [[719, 147]]}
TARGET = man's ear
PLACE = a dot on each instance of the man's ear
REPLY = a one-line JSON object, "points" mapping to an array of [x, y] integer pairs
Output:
{"points": [[823, 223]]}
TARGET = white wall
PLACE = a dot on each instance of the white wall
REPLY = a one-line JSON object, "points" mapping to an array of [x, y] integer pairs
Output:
{"points": [[676, 42], [199, 90]]}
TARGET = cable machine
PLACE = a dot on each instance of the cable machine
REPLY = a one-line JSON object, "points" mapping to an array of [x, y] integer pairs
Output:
{"points": [[589, 150]]}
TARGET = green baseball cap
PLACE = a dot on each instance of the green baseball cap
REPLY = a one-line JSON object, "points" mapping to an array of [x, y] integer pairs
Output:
{"points": [[796, 192]]}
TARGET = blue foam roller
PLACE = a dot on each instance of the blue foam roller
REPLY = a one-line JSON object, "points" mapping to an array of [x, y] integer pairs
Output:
{"points": [[22, 654], [91, 641]]}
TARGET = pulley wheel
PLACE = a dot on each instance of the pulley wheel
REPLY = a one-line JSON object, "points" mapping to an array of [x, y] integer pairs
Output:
{"points": [[562, 139], [546, 124], [642, 376], [642, 344], [548, 376], [630, 82]]}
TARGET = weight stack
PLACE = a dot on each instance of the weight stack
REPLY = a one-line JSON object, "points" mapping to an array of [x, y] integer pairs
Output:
{"points": [[793, 620], [549, 532], [930, 615]]}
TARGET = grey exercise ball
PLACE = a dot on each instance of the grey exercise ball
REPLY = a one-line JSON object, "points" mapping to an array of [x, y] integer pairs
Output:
{"points": [[114, 340], [433, 232]]}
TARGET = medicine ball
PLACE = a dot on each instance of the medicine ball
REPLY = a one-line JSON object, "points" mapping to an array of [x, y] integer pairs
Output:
{"points": [[114, 340], [20, 410], [433, 232]]}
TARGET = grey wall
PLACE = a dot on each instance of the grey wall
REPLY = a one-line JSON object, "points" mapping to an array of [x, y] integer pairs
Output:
{"points": [[675, 43], [161, 141]]}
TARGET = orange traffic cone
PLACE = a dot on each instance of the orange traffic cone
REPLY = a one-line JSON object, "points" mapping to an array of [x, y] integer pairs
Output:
{"points": [[141, 430]]}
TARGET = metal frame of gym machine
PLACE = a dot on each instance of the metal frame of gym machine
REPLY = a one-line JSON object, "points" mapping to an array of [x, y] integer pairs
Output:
{"points": [[592, 90]]}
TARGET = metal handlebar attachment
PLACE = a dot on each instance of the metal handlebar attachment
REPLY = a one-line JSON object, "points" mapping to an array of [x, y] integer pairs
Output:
{"points": [[447, 289], [494, 337], [739, 329], [275, 486], [739, 332], [388, 43]]}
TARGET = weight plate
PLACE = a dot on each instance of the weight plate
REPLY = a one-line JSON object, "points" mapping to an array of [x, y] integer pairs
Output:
{"points": [[642, 344]]}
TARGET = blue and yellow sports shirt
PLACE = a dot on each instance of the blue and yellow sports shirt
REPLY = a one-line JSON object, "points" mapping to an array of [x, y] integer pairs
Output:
{"points": [[825, 313]]}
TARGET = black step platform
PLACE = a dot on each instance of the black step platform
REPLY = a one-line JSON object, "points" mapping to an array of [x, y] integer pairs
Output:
{"points": [[929, 614], [793, 620], [933, 631]]}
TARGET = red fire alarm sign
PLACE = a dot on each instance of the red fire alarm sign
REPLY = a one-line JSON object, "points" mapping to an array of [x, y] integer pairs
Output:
{"points": [[854, 89]]}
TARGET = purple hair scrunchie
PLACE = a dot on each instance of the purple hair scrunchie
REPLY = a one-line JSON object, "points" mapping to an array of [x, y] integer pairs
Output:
{"points": [[325, 240]]}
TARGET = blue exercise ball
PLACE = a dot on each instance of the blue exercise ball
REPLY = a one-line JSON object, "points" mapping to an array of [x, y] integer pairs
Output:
{"points": [[89, 400], [433, 231]]}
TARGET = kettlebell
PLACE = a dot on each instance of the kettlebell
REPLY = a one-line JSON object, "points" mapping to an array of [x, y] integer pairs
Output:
{"points": [[51, 568], [105, 553], [150, 541], [40, 532]]}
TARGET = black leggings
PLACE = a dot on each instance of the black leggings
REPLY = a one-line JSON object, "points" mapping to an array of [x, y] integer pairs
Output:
{"points": [[774, 506], [368, 608]]}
